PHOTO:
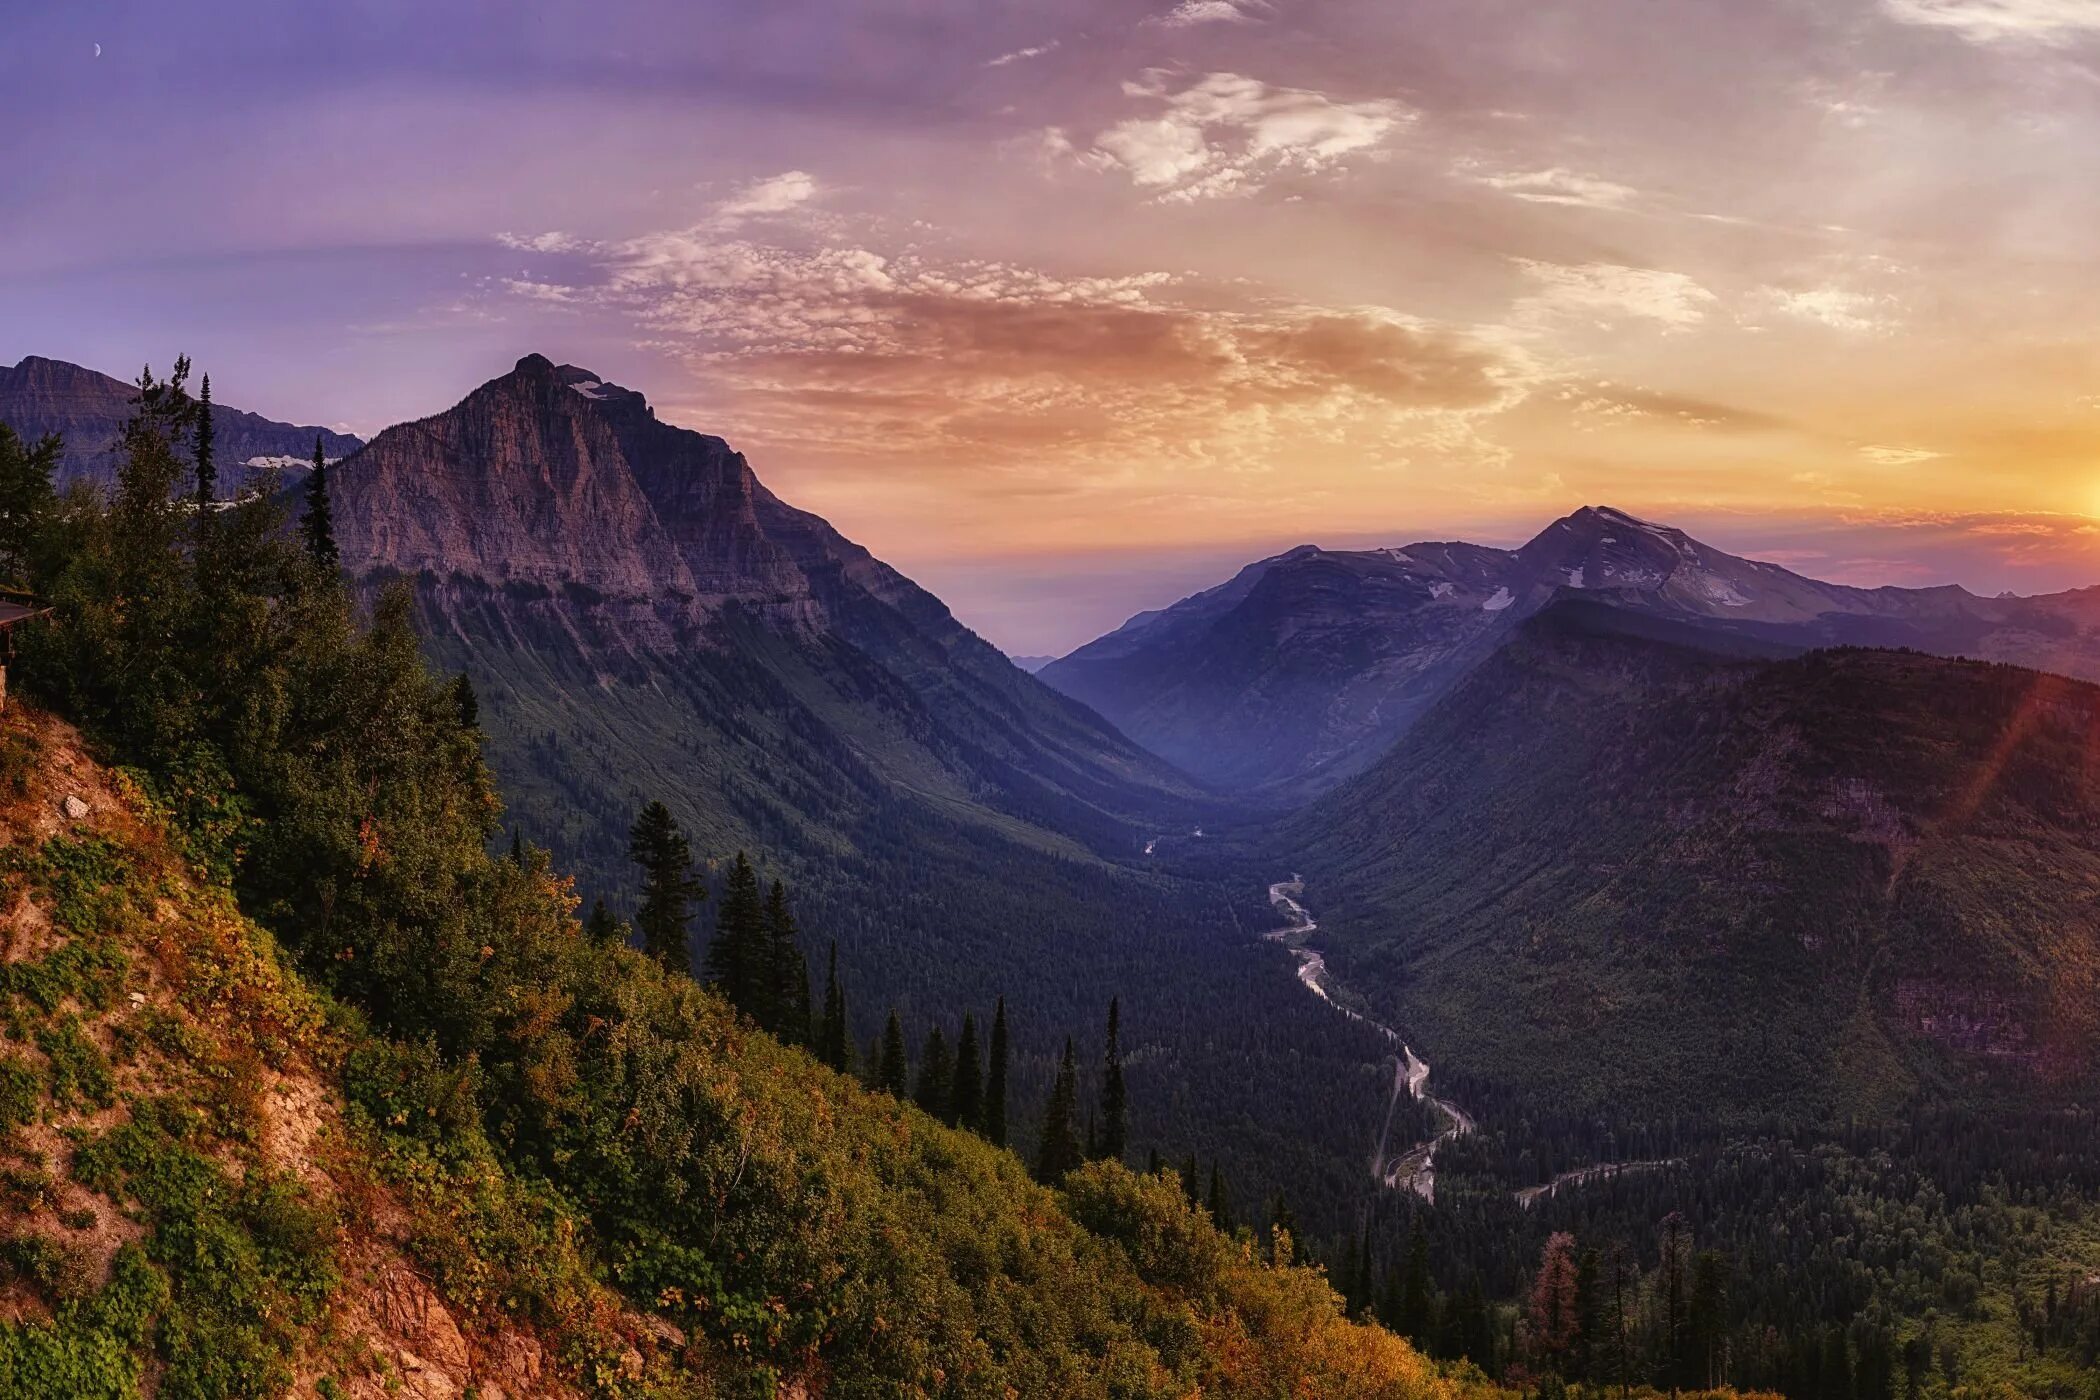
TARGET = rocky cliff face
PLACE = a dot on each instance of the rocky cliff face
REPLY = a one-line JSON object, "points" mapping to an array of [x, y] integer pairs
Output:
{"points": [[89, 410], [1305, 668], [643, 618]]}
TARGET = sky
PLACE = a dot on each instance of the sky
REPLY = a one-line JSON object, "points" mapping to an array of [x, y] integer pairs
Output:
{"points": [[1068, 308]]}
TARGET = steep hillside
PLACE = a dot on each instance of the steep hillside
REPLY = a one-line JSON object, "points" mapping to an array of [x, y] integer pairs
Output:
{"points": [[1304, 668], [89, 409], [1621, 865], [188, 1202], [217, 1183]]}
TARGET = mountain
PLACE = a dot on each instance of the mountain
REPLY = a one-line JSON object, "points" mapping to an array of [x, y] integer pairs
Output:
{"points": [[1635, 864], [642, 619], [1031, 664], [89, 409], [1304, 668]]}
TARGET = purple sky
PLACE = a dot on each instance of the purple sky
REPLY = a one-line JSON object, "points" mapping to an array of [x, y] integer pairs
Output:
{"points": [[1068, 308]]}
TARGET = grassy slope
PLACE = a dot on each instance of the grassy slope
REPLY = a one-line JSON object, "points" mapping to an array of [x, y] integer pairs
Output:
{"points": [[220, 1185], [1618, 871]]}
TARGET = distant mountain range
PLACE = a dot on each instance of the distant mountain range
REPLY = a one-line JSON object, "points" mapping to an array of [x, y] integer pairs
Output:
{"points": [[1303, 669], [89, 409], [1637, 863]]}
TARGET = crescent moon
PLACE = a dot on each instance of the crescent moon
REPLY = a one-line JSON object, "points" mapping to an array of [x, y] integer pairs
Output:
{"points": [[98, 51]]}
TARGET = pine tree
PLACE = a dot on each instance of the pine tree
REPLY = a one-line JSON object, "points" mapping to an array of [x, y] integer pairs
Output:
{"points": [[319, 526], [1708, 1319], [890, 1069], [1115, 1103], [1552, 1306], [1187, 1173], [785, 973], [466, 702], [936, 1075], [995, 1080], [204, 440], [26, 499], [736, 959], [601, 927], [668, 887], [1417, 1291], [966, 1103], [1221, 1214], [1060, 1151], [837, 1047]]}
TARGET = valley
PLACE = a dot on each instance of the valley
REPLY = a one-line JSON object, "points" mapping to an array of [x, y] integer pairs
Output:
{"points": [[1628, 863]]}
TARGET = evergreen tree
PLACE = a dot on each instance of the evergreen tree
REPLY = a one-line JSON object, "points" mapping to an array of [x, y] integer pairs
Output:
{"points": [[1707, 1320], [966, 1103], [1115, 1104], [995, 1079], [203, 442], [668, 887], [1588, 1316], [26, 501], [1417, 1312], [1060, 1150], [319, 526], [1552, 1307], [736, 959], [936, 1086], [1673, 1277], [466, 702], [836, 1048], [785, 973], [1187, 1174], [1221, 1213], [890, 1069], [601, 927]]}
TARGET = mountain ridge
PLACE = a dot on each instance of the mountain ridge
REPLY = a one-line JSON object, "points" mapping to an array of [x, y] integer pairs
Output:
{"points": [[1304, 667], [88, 409]]}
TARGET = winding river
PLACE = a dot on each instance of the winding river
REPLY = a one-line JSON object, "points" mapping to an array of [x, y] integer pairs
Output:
{"points": [[1415, 1167]]}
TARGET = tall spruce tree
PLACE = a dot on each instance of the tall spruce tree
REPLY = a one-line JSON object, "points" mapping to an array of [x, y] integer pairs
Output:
{"points": [[1417, 1316], [995, 1079], [966, 1102], [836, 1047], [1115, 1103], [890, 1069], [1221, 1213], [736, 959], [785, 973], [936, 1085], [668, 886], [1060, 1151], [203, 441], [319, 524]]}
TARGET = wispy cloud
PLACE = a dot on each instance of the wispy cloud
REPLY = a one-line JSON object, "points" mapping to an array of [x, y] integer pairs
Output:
{"points": [[2048, 22], [1227, 134], [1559, 186], [988, 365], [1834, 307], [1023, 55], [1605, 293], [1190, 12], [1887, 455], [776, 194]]}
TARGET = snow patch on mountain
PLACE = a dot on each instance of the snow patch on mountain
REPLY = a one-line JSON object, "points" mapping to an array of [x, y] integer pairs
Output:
{"points": [[1502, 599]]}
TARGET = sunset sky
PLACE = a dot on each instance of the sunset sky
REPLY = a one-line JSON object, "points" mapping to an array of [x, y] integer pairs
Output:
{"points": [[1067, 308]]}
